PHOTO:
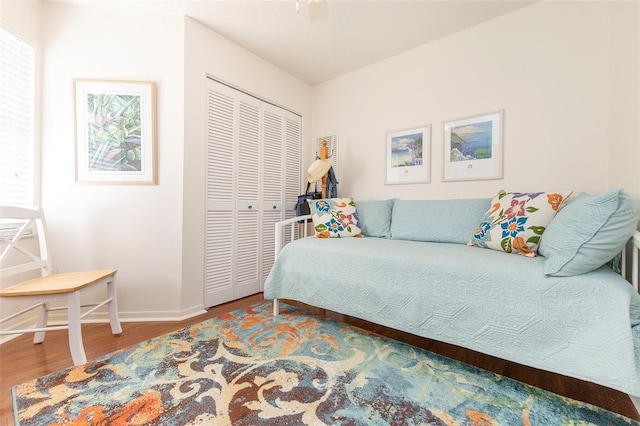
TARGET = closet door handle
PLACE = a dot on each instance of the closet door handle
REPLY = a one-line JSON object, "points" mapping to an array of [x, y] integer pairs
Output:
{"points": [[250, 206], [275, 207]]}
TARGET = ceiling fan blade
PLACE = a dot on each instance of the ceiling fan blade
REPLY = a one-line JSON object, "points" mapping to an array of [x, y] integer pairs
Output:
{"points": [[318, 9]]}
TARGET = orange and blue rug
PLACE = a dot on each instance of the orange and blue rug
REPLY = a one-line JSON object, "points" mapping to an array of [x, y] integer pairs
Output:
{"points": [[251, 368]]}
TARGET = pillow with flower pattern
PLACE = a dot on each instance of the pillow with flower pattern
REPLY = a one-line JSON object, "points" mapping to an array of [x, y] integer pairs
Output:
{"points": [[516, 220], [334, 218]]}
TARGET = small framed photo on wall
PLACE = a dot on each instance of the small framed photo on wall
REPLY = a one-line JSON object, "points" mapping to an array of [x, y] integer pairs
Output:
{"points": [[473, 147], [408, 156]]}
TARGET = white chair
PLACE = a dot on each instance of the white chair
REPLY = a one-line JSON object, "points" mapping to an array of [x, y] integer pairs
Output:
{"points": [[45, 288]]}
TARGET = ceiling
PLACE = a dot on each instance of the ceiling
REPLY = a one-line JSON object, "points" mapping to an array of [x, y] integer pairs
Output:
{"points": [[327, 39]]}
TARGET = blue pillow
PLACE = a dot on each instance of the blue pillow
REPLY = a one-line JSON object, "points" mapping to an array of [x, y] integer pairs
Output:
{"points": [[375, 218], [439, 221], [588, 232]]}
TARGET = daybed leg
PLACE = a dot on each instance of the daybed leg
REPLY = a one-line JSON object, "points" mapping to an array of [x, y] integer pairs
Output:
{"points": [[276, 307], [636, 402]]}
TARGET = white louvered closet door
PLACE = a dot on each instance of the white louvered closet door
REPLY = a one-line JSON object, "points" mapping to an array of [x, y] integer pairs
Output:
{"points": [[248, 197], [219, 227], [292, 171], [253, 175], [281, 177], [272, 182]]}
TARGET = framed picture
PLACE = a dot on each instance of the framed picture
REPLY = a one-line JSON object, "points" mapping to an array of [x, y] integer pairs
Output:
{"points": [[408, 156], [115, 132], [473, 147]]}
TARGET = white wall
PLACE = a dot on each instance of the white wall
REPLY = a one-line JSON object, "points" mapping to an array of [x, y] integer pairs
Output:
{"points": [[546, 65], [207, 53], [134, 228], [152, 234], [624, 128]]}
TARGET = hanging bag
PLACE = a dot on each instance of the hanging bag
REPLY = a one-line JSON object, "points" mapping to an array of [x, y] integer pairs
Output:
{"points": [[302, 207]]}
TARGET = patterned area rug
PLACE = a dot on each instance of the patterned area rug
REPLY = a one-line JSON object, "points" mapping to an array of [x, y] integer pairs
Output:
{"points": [[250, 368]]}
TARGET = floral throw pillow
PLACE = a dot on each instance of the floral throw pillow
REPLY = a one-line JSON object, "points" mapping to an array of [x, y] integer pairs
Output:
{"points": [[334, 218], [516, 220]]}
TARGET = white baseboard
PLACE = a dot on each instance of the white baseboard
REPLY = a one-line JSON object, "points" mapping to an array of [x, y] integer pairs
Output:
{"points": [[141, 316], [8, 337], [98, 317], [636, 402], [148, 316]]}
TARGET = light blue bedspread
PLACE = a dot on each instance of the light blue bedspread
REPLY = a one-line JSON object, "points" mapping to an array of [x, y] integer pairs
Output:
{"points": [[492, 302]]}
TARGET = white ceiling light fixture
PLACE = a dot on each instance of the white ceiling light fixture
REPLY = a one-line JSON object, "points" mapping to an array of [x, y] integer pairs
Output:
{"points": [[318, 9]]}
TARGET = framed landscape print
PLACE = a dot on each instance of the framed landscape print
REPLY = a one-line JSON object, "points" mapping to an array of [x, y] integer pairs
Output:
{"points": [[408, 156], [473, 147], [115, 132]]}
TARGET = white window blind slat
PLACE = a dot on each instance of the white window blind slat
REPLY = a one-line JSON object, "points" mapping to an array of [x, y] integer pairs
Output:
{"points": [[17, 77]]}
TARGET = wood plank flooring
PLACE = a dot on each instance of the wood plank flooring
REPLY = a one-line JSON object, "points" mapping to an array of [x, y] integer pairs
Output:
{"points": [[21, 361]]}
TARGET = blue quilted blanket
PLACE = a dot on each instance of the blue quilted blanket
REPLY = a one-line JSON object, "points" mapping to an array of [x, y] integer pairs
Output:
{"points": [[586, 326]]}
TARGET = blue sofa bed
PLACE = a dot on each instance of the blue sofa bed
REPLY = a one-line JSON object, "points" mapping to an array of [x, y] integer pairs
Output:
{"points": [[414, 271]]}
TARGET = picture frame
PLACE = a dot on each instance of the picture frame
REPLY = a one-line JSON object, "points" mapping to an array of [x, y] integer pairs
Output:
{"points": [[473, 147], [408, 156], [115, 132]]}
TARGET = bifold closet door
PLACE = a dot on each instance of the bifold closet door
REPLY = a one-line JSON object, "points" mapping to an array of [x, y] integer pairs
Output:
{"points": [[253, 178], [292, 171], [220, 193], [248, 197], [272, 179], [281, 150], [232, 231]]}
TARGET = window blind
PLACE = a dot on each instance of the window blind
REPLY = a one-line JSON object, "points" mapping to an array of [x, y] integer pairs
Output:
{"points": [[17, 79]]}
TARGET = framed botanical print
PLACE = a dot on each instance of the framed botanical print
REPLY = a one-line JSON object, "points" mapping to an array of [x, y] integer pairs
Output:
{"points": [[115, 132]]}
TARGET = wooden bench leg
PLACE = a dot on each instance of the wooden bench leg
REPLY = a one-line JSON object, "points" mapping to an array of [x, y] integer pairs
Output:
{"points": [[116, 328], [75, 329]]}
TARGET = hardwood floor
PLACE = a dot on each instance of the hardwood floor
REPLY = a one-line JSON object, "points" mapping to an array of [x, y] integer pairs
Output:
{"points": [[21, 361]]}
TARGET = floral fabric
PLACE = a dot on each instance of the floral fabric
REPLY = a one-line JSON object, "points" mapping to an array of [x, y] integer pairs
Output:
{"points": [[516, 220], [334, 218]]}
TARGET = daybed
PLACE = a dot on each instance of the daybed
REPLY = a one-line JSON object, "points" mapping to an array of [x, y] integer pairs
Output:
{"points": [[563, 311]]}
